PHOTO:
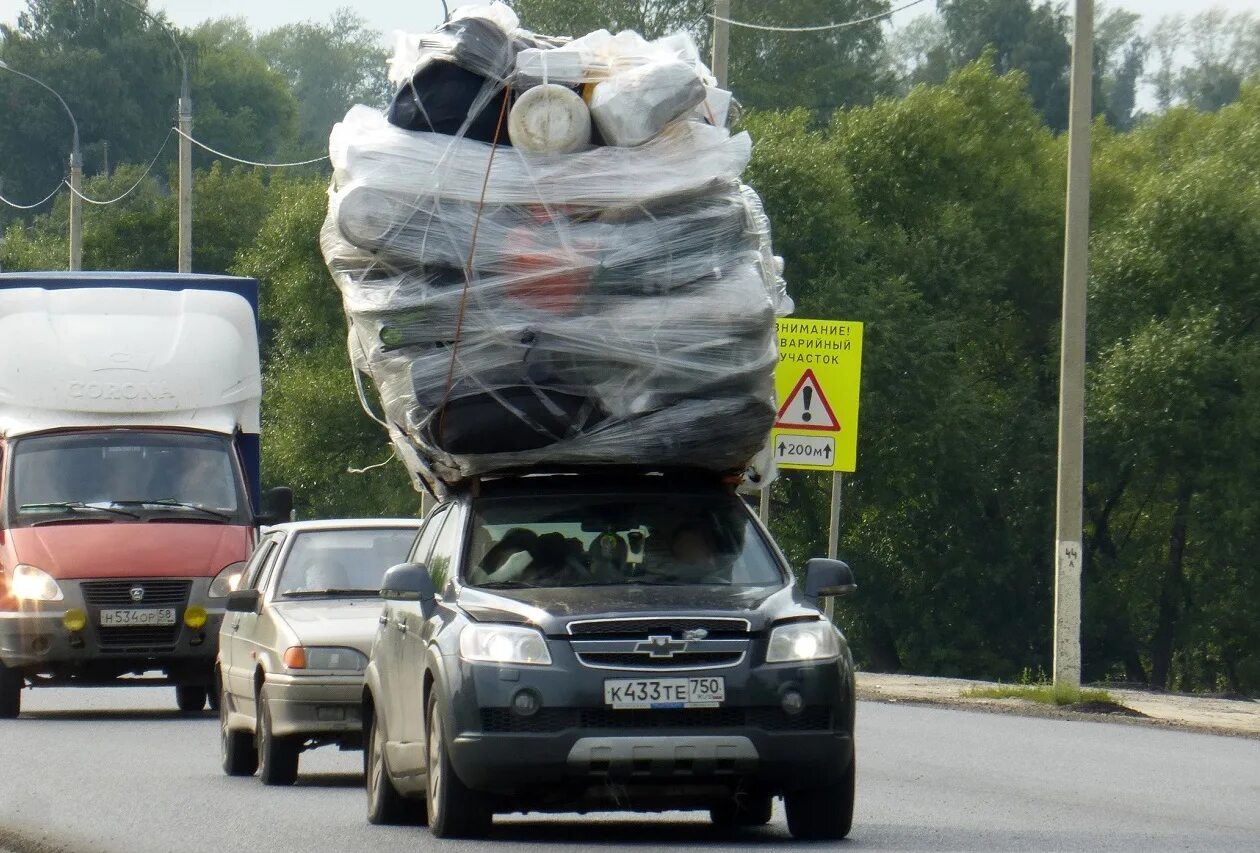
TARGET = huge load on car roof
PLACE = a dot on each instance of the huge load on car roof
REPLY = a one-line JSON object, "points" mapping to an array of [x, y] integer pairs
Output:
{"points": [[547, 257]]}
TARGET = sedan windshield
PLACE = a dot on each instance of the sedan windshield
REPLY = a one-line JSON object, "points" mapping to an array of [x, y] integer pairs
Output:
{"points": [[329, 563], [601, 540], [125, 475]]}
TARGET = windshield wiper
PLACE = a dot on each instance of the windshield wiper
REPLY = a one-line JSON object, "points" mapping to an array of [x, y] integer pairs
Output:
{"points": [[309, 593], [171, 502], [77, 506], [505, 585]]}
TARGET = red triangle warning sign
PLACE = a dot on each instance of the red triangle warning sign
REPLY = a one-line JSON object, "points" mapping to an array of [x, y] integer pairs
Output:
{"points": [[807, 407]]}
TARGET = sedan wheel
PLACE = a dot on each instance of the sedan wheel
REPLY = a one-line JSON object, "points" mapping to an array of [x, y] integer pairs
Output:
{"points": [[277, 756], [236, 749]]}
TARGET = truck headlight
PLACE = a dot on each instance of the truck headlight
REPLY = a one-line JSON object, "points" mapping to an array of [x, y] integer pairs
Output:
{"points": [[330, 658], [802, 641], [28, 583], [226, 580], [506, 644]]}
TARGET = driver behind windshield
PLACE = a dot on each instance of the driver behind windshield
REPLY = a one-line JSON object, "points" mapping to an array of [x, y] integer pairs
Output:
{"points": [[319, 576]]}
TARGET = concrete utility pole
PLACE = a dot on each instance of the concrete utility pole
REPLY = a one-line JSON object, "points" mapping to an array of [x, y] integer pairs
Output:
{"points": [[1068, 553], [76, 174], [721, 40], [185, 145]]}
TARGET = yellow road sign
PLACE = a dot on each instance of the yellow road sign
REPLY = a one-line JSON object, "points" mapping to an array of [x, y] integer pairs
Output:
{"points": [[817, 383]]}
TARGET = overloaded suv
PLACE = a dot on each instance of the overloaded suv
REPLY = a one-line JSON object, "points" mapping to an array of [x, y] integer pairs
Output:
{"points": [[568, 642]]}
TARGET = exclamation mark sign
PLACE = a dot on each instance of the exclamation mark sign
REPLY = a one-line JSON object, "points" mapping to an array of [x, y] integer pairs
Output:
{"points": [[808, 392]]}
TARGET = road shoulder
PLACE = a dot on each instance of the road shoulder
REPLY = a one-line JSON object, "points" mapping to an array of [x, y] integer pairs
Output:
{"points": [[1211, 715]]}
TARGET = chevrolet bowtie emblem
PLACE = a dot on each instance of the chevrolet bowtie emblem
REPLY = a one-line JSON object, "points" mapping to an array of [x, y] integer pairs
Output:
{"points": [[663, 646]]}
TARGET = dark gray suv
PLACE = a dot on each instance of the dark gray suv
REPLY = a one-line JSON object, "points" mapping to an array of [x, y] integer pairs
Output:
{"points": [[575, 643]]}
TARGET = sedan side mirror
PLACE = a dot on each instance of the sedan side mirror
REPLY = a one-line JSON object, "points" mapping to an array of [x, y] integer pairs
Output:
{"points": [[243, 601], [825, 577], [408, 582], [277, 506]]}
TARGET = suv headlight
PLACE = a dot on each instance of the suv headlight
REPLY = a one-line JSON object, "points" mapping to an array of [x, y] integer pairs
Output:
{"points": [[802, 641], [28, 583], [330, 658], [509, 644], [227, 580]]}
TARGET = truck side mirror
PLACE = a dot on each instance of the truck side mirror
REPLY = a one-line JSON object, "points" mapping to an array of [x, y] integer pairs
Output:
{"points": [[825, 578], [277, 505], [409, 582], [243, 601]]}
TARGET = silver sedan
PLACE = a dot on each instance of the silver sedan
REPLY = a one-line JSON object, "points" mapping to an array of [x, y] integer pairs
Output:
{"points": [[295, 640]]}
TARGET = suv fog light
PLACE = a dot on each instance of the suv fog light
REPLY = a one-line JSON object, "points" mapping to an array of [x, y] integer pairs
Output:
{"points": [[74, 620], [526, 703], [793, 702]]}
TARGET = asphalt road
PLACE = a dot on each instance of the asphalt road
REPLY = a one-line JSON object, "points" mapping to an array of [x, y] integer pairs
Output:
{"points": [[119, 771]]}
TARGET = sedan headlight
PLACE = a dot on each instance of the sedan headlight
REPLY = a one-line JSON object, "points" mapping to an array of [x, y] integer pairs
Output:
{"points": [[28, 583], [329, 658], [802, 641], [507, 644], [227, 580]]}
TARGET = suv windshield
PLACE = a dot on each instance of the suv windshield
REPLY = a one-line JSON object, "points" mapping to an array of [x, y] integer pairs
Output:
{"points": [[614, 540], [330, 563], [125, 475]]}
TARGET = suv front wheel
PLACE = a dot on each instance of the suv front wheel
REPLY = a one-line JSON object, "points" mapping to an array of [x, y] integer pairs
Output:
{"points": [[455, 810], [825, 812]]}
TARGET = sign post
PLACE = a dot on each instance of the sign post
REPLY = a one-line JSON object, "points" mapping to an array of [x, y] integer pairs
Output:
{"points": [[817, 384]]}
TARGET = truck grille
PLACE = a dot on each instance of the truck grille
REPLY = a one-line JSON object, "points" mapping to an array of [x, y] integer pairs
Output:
{"points": [[502, 720], [141, 639], [117, 593], [715, 628]]}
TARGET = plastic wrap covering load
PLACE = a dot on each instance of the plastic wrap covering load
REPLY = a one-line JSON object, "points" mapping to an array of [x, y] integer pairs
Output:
{"points": [[611, 306]]}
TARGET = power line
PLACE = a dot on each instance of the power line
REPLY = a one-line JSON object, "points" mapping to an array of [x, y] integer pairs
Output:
{"points": [[202, 145], [17, 206], [817, 29], [132, 188]]}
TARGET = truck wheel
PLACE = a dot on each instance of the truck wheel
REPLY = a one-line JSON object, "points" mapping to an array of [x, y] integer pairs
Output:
{"points": [[746, 811], [236, 749], [386, 807], [10, 693], [455, 811], [277, 756], [191, 698], [822, 813]]}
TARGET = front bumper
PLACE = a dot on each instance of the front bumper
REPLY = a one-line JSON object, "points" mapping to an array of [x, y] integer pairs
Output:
{"points": [[315, 704], [36, 641], [574, 748]]}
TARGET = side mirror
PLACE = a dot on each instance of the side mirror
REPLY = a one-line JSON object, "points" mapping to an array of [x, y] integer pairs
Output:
{"points": [[243, 601], [408, 582], [825, 577], [277, 505]]}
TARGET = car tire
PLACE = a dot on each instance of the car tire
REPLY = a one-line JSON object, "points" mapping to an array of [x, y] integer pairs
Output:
{"points": [[386, 807], [236, 748], [11, 682], [277, 756], [825, 812], [455, 810], [746, 811], [191, 698]]}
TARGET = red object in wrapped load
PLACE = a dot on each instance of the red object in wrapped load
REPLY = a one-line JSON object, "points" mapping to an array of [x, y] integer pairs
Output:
{"points": [[544, 273]]}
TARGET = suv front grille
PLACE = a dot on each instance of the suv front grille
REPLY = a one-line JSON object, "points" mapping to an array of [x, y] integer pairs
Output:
{"points": [[638, 660], [117, 593], [715, 628], [501, 720]]}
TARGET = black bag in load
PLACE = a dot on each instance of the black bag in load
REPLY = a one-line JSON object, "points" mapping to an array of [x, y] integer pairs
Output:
{"points": [[440, 98], [510, 420]]}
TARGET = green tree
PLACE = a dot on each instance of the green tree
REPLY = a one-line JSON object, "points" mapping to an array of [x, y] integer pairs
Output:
{"points": [[329, 67]]}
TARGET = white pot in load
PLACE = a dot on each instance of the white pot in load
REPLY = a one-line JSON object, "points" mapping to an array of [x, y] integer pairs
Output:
{"points": [[549, 119]]}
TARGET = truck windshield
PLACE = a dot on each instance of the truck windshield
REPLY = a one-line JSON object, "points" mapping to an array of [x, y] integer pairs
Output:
{"points": [[125, 475], [596, 540]]}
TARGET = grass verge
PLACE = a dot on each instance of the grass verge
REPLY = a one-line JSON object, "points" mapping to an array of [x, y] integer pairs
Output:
{"points": [[1046, 694]]}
